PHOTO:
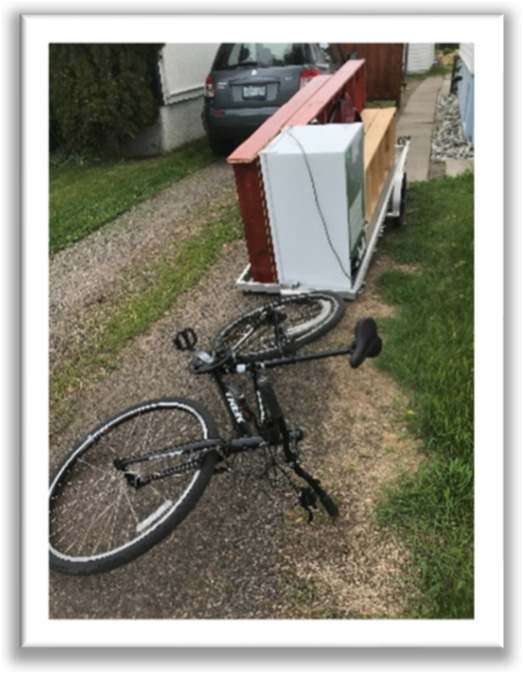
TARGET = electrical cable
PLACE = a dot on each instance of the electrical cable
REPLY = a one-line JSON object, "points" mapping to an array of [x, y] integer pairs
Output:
{"points": [[318, 207]]}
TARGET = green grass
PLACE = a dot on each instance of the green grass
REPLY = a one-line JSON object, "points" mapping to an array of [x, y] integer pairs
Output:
{"points": [[83, 197], [438, 69], [381, 104], [429, 349], [167, 279]]}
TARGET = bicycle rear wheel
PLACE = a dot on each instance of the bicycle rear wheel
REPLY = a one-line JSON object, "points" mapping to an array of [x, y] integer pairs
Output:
{"points": [[97, 520], [300, 320]]}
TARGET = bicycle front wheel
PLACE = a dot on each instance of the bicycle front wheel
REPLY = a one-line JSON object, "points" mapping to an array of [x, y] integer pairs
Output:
{"points": [[300, 319], [97, 520]]}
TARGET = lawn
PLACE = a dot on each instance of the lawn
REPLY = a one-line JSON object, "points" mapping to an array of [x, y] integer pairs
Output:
{"points": [[85, 196], [429, 349], [168, 278]]}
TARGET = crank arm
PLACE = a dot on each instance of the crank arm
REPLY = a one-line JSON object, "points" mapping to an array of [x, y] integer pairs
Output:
{"points": [[328, 503]]}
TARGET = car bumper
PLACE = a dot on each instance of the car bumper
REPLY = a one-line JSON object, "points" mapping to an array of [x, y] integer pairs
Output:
{"points": [[235, 123]]}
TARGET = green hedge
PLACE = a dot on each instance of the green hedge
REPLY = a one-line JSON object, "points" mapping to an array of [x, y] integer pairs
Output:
{"points": [[101, 95]]}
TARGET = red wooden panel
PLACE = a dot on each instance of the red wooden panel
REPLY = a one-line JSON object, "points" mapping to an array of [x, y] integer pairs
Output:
{"points": [[337, 84], [249, 149], [253, 209]]}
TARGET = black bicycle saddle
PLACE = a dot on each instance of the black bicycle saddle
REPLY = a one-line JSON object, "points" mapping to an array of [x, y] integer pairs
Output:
{"points": [[367, 342]]}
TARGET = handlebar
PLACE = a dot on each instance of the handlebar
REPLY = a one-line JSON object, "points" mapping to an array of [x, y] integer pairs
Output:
{"points": [[366, 344]]}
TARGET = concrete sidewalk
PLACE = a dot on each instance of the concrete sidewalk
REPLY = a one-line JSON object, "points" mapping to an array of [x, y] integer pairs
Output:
{"points": [[416, 121]]}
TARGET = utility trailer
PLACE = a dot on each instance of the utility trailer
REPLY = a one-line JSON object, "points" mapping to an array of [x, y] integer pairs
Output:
{"points": [[283, 195]]}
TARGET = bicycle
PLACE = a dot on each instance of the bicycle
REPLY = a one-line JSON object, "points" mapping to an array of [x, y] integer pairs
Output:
{"points": [[135, 477]]}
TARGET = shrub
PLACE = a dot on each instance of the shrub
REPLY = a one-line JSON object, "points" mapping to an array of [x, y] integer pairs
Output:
{"points": [[101, 94]]}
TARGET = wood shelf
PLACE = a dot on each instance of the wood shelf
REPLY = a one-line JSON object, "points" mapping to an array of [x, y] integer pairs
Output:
{"points": [[379, 126]]}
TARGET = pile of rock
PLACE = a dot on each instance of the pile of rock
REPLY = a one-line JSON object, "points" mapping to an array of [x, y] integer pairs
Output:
{"points": [[448, 139]]}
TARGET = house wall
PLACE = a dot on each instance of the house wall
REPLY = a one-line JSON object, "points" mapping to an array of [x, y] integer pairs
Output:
{"points": [[183, 69], [466, 89], [420, 56], [180, 123], [466, 53]]}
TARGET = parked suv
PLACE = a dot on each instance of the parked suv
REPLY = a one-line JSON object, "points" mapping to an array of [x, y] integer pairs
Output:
{"points": [[250, 81]]}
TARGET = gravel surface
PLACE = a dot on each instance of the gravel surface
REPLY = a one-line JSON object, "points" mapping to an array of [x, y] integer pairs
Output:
{"points": [[448, 139], [99, 267], [245, 552]]}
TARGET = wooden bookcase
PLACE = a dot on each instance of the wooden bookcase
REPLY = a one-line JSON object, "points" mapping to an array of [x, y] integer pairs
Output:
{"points": [[379, 126]]}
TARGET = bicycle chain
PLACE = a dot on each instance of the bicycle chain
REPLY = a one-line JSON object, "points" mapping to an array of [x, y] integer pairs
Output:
{"points": [[184, 467]]}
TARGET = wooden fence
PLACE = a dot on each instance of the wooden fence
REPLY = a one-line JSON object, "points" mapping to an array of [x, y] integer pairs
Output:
{"points": [[384, 66]]}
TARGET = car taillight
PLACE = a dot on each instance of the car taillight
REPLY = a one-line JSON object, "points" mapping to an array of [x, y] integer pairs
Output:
{"points": [[307, 75], [209, 87]]}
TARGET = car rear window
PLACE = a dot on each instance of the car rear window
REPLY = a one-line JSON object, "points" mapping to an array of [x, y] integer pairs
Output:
{"points": [[262, 55]]}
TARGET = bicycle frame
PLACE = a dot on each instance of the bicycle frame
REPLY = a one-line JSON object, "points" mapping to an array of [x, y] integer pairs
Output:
{"points": [[233, 405], [269, 422]]}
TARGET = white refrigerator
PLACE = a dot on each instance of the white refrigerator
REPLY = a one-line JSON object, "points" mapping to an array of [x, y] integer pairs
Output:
{"points": [[314, 186]]}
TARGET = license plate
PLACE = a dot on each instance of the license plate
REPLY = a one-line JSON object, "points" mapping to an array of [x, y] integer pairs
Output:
{"points": [[252, 91]]}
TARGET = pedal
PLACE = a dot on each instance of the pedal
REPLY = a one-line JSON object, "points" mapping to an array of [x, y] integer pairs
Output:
{"points": [[307, 500], [185, 340], [315, 487]]}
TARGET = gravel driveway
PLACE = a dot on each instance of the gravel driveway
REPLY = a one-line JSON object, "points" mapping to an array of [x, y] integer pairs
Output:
{"points": [[99, 267], [243, 552]]}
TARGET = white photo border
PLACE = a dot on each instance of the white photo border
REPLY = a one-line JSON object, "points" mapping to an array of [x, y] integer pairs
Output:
{"points": [[486, 32]]}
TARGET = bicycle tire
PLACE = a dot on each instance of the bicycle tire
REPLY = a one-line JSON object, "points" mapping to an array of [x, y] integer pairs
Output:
{"points": [[332, 309], [151, 529]]}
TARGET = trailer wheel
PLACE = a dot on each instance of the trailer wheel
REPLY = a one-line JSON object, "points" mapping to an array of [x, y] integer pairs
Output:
{"points": [[399, 220]]}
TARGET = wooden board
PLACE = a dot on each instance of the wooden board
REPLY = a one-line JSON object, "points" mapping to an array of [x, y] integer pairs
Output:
{"points": [[379, 126], [248, 151], [306, 105]]}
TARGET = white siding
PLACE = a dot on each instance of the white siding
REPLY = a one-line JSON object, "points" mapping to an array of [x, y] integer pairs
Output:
{"points": [[183, 69], [420, 56], [181, 122], [466, 52], [466, 89]]}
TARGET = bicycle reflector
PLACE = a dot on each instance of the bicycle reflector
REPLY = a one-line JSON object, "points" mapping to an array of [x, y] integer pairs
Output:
{"points": [[185, 340]]}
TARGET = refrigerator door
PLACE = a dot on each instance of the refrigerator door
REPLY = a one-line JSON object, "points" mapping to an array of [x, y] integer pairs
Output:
{"points": [[355, 192], [313, 178]]}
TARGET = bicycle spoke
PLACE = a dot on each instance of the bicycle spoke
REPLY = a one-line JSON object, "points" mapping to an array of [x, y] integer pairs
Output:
{"points": [[95, 513], [86, 533], [81, 460], [115, 516], [131, 508]]}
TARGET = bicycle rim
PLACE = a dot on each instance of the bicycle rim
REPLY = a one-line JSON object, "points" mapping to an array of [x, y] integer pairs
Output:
{"points": [[96, 517], [305, 318]]}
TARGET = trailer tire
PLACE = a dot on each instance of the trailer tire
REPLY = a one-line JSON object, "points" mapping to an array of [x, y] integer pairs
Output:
{"points": [[400, 220]]}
